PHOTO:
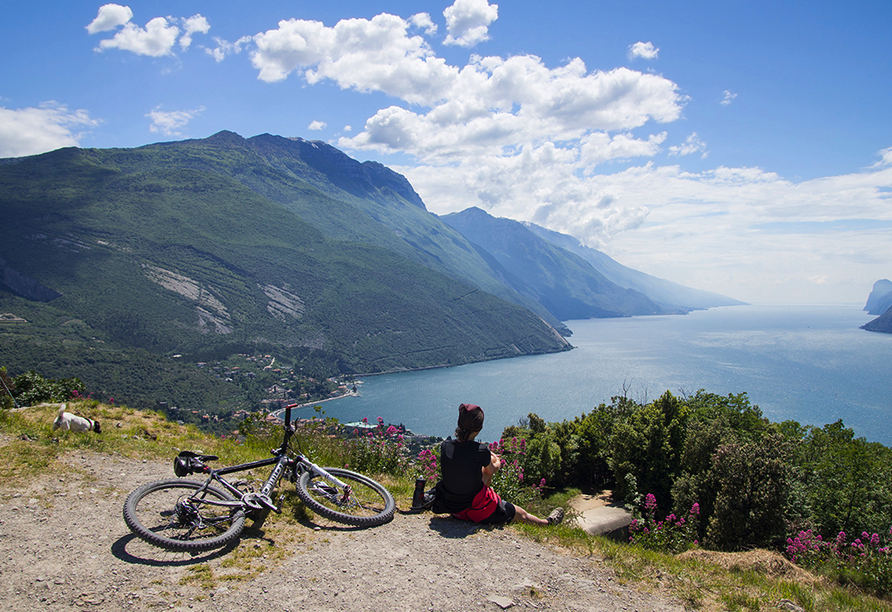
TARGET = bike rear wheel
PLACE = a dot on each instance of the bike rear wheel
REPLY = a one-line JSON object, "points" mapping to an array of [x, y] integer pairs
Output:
{"points": [[367, 504], [174, 515]]}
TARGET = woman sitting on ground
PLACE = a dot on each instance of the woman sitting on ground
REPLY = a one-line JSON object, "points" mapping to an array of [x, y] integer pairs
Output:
{"points": [[465, 490]]}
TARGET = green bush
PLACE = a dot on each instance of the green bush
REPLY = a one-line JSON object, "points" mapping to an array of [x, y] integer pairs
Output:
{"points": [[752, 483], [648, 446], [31, 388], [846, 481]]}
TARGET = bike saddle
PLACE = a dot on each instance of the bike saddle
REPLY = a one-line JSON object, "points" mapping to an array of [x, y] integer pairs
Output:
{"points": [[188, 462], [198, 456]]}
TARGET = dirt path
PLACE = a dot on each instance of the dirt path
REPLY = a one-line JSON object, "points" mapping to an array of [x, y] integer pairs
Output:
{"points": [[64, 546]]}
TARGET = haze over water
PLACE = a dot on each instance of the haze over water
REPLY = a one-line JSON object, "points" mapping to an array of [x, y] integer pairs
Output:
{"points": [[811, 364]]}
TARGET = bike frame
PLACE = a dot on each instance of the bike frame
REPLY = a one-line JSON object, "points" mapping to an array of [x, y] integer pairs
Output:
{"points": [[282, 462]]}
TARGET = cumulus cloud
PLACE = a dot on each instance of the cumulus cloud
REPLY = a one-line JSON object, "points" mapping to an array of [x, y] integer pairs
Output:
{"points": [[191, 25], [156, 39], [497, 104], [110, 17], [467, 22], [29, 131], [424, 22], [643, 50], [316, 126], [366, 55], [171, 123]]}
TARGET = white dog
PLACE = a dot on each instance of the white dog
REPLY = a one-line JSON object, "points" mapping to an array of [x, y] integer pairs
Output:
{"points": [[72, 422]]}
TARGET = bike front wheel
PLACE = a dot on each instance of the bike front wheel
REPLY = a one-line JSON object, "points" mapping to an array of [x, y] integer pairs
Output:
{"points": [[366, 504], [178, 515]]}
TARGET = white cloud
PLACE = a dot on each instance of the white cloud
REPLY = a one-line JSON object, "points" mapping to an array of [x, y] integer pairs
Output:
{"points": [[495, 105], [727, 98], [643, 50], [692, 145], [225, 48], [316, 126], [157, 39], [170, 123], [885, 158], [110, 17], [424, 22], [191, 25], [366, 55], [29, 131], [467, 22]]}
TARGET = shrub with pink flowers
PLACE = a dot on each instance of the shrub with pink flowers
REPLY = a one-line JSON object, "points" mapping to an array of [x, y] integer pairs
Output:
{"points": [[864, 561], [378, 450], [673, 534], [510, 481], [429, 464]]}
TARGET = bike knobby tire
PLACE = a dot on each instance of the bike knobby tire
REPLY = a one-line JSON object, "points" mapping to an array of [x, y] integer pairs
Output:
{"points": [[368, 505], [153, 514]]}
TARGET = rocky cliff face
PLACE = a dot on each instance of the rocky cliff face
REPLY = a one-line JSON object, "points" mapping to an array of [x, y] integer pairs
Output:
{"points": [[880, 299], [25, 285], [880, 303], [883, 323]]}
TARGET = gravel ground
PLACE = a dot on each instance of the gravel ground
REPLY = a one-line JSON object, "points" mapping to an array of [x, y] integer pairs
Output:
{"points": [[64, 546]]}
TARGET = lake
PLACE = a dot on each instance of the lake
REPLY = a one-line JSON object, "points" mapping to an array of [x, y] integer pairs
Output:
{"points": [[811, 364]]}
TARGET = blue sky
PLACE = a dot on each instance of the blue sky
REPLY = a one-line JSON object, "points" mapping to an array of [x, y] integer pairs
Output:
{"points": [[740, 147]]}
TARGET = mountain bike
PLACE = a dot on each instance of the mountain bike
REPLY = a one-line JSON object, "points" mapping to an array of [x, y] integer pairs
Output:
{"points": [[186, 515]]}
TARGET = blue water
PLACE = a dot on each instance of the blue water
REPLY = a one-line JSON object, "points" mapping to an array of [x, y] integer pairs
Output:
{"points": [[811, 364]]}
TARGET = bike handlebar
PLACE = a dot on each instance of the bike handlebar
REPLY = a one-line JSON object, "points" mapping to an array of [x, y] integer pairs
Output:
{"points": [[288, 414]]}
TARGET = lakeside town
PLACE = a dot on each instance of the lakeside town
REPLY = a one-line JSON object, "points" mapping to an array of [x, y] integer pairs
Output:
{"points": [[271, 386]]}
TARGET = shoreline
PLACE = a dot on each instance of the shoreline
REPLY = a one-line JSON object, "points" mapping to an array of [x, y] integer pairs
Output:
{"points": [[280, 411]]}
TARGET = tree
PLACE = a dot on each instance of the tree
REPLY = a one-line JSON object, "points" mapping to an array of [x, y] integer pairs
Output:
{"points": [[647, 447], [753, 486], [846, 481]]}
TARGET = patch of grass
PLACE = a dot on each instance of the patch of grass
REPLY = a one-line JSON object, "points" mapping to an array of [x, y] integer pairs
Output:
{"points": [[201, 575]]}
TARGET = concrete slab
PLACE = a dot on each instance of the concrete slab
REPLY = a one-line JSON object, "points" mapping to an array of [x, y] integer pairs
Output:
{"points": [[599, 515]]}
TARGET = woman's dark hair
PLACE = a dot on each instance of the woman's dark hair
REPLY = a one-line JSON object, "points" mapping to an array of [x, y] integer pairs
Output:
{"points": [[470, 421]]}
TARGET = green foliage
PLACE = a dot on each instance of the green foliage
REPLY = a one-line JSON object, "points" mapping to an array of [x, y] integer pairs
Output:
{"points": [[648, 446], [752, 484], [30, 388], [847, 481]]}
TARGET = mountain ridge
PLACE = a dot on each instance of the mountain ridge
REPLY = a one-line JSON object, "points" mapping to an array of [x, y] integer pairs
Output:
{"points": [[215, 246]]}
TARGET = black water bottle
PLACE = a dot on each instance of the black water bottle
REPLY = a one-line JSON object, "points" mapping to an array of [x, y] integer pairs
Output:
{"points": [[418, 496]]}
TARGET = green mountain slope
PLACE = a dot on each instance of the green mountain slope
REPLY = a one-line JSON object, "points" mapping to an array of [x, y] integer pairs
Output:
{"points": [[345, 200], [159, 249]]}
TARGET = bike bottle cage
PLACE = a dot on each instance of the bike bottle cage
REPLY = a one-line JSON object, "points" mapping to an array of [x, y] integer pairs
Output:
{"points": [[188, 462]]}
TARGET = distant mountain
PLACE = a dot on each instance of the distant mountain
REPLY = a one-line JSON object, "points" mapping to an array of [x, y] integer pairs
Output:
{"points": [[223, 245], [879, 302], [671, 296], [574, 282], [880, 298], [882, 323]]}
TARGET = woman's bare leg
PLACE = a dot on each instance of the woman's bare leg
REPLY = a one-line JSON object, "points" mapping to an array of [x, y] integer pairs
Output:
{"points": [[522, 515]]}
